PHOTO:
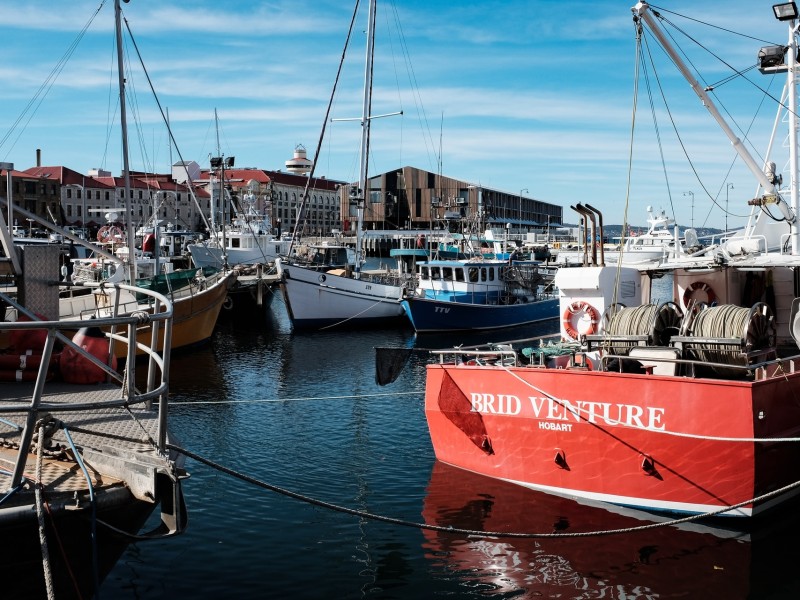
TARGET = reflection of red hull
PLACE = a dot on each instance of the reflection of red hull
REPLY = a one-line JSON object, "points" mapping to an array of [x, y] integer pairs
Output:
{"points": [[612, 436], [691, 562]]}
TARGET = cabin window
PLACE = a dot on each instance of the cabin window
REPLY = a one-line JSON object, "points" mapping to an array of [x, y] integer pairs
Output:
{"points": [[436, 273], [423, 273], [491, 274], [484, 275], [459, 273], [447, 273], [473, 275]]}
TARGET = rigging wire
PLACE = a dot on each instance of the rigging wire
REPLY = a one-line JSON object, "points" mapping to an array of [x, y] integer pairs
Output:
{"points": [[189, 184], [628, 180], [310, 177], [710, 88], [707, 24], [677, 132], [657, 132], [111, 101], [427, 136], [38, 98]]}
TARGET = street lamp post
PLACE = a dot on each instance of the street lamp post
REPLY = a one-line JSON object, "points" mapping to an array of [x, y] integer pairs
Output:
{"points": [[84, 226], [8, 167], [692, 195], [520, 207], [728, 188]]}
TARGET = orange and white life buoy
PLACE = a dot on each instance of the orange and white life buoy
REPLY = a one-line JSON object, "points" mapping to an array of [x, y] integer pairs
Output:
{"points": [[108, 233], [574, 314], [701, 286]]}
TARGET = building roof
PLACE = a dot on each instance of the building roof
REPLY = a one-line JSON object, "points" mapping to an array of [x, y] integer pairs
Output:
{"points": [[66, 176]]}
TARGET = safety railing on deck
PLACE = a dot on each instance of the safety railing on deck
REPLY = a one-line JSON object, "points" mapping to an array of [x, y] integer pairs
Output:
{"points": [[119, 328]]}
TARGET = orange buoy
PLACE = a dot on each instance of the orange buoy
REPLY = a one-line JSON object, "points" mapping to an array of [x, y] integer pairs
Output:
{"points": [[76, 368]]}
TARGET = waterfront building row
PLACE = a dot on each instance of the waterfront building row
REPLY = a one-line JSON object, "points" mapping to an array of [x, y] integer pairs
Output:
{"points": [[404, 199]]}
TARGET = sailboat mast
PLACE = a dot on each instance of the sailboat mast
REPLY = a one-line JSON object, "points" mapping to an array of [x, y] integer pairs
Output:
{"points": [[222, 203], [365, 117], [126, 172]]}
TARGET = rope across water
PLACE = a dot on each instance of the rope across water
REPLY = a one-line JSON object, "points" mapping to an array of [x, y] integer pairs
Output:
{"points": [[469, 532]]}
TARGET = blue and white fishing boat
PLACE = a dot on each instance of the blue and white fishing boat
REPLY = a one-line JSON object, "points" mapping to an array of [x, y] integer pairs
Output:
{"points": [[480, 293]]}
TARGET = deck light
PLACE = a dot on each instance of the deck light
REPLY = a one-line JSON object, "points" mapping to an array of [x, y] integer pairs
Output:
{"points": [[786, 11]]}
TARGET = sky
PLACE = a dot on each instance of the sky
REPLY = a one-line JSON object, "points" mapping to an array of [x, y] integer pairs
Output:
{"points": [[532, 97]]}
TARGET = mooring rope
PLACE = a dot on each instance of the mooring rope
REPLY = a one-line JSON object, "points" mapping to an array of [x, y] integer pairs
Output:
{"points": [[358, 314], [299, 399], [38, 485], [564, 404], [469, 532], [93, 502]]}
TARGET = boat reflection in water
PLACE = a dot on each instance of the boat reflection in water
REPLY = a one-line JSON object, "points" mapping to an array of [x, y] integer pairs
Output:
{"points": [[689, 560]]}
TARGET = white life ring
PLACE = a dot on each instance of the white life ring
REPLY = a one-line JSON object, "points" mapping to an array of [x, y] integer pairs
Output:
{"points": [[574, 312]]}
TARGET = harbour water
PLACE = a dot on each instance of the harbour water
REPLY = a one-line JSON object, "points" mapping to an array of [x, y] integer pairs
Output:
{"points": [[302, 412]]}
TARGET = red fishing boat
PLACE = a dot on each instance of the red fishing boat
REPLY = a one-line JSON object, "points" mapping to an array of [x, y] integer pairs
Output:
{"points": [[690, 405]]}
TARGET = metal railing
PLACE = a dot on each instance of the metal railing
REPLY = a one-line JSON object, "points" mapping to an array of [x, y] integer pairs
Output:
{"points": [[137, 325]]}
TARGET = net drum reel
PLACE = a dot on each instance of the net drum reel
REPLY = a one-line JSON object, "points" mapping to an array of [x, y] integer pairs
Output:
{"points": [[645, 325], [729, 337]]}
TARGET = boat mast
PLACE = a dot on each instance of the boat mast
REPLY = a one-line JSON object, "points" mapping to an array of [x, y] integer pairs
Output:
{"points": [[365, 124], [222, 203], [642, 11], [126, 173]]}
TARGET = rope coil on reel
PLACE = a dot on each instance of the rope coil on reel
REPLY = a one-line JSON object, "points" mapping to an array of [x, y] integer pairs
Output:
{"points": [[625, 326], [747, 331]]}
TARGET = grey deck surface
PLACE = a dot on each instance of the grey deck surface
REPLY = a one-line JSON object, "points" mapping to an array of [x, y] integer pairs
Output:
{"points": [[105, 429]]}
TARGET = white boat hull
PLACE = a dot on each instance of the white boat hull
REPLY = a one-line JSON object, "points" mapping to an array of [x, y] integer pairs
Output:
{"points": [[204, 255], [321, 299]]}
